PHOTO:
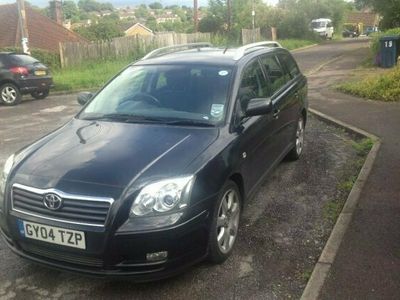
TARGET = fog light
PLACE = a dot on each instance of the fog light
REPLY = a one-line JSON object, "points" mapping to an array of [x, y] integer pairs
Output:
{"points": [[156, 256]]}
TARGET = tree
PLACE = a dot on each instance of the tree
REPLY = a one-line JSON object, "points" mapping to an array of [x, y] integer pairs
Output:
{"points": [[155, 5], [389, 9], [70, 10], [93, 5], [210, 24], [106, 29]]}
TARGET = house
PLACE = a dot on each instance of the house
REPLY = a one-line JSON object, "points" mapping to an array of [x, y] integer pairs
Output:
{"points": [[167, 18], [43, 32], [362, 19], [138, 29]]}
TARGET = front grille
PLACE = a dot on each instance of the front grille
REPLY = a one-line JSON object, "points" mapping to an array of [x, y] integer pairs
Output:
{"points": [[62, 256], [75, 209]]}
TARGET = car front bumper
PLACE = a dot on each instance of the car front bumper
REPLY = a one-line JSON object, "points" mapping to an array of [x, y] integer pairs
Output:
{"points": [[119, 253]]}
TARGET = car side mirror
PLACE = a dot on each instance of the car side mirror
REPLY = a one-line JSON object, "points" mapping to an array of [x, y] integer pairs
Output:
{"points": [[84, 97], [258, 107]]}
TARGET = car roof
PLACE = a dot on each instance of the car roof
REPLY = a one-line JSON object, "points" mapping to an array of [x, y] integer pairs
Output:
{"points": [[206, 56]]}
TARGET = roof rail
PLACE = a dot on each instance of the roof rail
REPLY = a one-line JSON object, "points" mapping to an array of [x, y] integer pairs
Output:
{"points": [[171, 49], [242, 51]]}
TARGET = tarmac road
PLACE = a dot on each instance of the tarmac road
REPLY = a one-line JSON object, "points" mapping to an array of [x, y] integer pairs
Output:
{"points": [[282, 230]]}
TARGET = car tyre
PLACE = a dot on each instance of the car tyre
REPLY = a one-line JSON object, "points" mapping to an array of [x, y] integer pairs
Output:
{"points": [[40, 94], [297, 150], [10, 94], [225, 223]]}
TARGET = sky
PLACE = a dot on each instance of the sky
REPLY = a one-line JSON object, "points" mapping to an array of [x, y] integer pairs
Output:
{"points": [[121, 3]]}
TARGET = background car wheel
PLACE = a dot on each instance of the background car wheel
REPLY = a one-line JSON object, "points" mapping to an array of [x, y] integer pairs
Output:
{"points": [[9, 94], [40, 94], [225, 223], [297, 150]]}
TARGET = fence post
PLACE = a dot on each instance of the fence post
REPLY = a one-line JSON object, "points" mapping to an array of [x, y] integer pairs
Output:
{"points": [[61, 54]]}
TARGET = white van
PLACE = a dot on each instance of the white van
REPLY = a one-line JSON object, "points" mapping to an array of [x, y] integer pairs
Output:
{"points": [[323, 27]]}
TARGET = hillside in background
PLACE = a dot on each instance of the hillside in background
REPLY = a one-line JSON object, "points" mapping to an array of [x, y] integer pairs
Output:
{"points": [[121, 3]]}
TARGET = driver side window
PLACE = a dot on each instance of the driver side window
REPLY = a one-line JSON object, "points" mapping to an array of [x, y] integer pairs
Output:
{"points": [[253, 84]]}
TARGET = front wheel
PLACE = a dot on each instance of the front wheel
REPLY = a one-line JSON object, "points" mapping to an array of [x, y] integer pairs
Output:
{"points": [[297, 150], [225, 223], [40, 94]]}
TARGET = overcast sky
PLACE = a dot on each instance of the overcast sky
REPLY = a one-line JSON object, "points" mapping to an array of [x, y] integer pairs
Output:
{"points": [[118, 3]]}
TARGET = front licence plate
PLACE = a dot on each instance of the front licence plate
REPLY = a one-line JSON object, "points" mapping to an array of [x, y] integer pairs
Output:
{"points": [[40, 73], [51, 234]]}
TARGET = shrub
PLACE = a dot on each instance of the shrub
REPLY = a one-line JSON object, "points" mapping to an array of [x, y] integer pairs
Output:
{"points": [[385, 87]]}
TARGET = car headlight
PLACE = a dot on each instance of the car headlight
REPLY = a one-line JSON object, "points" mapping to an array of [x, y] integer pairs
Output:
{"points": [[4, 175], [163, 196]]}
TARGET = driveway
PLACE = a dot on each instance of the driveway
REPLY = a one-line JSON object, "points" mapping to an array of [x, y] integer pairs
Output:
{"points": [[283, 228]]}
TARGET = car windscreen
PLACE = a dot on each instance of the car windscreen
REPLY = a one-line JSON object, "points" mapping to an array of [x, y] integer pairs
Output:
{"points": [[316, 25], [21, 59], [171, 94]]}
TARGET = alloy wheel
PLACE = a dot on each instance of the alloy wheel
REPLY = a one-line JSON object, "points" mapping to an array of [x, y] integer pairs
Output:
{"points": [[300, 136], [9, 94], [228, 221]]}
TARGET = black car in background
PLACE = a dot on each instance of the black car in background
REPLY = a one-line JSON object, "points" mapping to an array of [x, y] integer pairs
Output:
{"points": [[151, 176], [22, 74], [349, 33]]}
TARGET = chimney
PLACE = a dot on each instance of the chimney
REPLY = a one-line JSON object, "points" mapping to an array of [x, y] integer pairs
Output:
{"points": [[56, 11]]}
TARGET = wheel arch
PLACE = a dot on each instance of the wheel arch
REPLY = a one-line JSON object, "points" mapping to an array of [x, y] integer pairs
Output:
{"points": [[237, 178], [7, 80]]}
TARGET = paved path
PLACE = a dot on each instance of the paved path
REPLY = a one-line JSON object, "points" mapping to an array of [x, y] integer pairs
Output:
{"points": [[367, 265]]}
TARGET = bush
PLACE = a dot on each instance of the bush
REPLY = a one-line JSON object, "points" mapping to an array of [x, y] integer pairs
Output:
{"points": [[377, 36], [385, 87], [50, 59]]}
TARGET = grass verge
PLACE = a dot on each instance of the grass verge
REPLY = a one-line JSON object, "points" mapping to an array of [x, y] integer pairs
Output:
{"points": [[292, 44], [87, 76], [384, 86], [332, 209]]}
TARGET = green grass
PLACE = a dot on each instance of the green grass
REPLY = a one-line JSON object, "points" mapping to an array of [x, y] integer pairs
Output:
{"points": [[381, 87], [332, 208], [93, 75], [292, 44], [363, 147], [87, 76]]}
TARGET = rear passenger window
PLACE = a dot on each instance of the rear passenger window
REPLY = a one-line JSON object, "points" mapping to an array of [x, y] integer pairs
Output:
{"points": [[276, 74], [290, 64]]}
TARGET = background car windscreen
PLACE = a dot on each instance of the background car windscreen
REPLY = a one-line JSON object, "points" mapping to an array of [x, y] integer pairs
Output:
{"points": [[166, 91]]}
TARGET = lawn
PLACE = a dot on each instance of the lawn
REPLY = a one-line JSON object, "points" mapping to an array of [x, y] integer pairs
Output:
{"points": [[93, 75], [375, 84], [87, 76]]}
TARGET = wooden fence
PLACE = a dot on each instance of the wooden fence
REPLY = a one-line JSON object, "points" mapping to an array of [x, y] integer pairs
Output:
{"points": [[75, 53], [251, 36]]}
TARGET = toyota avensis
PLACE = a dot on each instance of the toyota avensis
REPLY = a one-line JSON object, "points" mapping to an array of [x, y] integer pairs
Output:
{"points": [[152, 174]]}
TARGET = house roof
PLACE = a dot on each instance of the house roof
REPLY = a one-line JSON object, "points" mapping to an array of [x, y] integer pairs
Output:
{"points": [[367, 18], [44, 33], [139, 25]]}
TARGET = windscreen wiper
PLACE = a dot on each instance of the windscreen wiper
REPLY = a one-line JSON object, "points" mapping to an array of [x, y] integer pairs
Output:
{"points": [[129, 118], [190, 122]]}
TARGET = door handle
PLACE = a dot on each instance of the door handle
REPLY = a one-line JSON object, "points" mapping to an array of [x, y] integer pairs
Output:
{"points": [[276, 113]]}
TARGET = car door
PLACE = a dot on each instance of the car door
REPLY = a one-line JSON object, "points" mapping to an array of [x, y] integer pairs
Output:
{"points": [[256, 133], [283, 92]]}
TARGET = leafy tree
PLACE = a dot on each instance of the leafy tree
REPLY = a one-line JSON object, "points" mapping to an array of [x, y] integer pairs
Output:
{"points": [[211, 24], [389, 9], [105, 29], [70, 10], [155, 5], [93, 5]]}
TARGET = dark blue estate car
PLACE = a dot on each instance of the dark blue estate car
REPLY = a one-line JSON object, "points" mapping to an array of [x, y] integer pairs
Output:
{"points": [[152, 174]]}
